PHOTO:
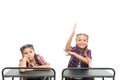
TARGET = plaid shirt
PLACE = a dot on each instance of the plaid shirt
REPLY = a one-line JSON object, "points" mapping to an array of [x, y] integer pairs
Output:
{"points": [[40, 59], [74, 62]]}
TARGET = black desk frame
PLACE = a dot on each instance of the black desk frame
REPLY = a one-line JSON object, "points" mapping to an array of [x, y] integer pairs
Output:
{"points": [[88, 72], [40, 72]]}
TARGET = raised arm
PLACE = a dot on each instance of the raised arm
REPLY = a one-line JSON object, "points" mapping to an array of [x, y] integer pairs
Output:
{"points": [[68, 44]]}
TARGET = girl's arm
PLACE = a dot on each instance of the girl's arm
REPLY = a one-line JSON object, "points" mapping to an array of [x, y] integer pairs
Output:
{"points": [[87, 60], [23, 64], [43, 66], [68, 44]]}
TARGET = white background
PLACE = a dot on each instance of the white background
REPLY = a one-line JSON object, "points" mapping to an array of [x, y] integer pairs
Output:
{"points": [[47, 25]]}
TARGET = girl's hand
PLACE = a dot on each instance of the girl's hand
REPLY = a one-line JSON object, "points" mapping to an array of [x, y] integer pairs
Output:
{"points": [[74, 28], [70, 53], [25, 57]]}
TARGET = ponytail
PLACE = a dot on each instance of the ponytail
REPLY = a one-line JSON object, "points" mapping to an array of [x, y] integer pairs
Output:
{"points": [[85, 51]]}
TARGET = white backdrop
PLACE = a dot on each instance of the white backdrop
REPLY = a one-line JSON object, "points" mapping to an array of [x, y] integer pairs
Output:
{"points": [[47, 24]]}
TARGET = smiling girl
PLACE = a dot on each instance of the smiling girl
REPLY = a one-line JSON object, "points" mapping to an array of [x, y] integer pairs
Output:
{"points": [[80, 54]]}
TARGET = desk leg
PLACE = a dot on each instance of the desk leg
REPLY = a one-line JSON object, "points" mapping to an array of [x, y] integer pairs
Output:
{"points": [[49, 78], [113, 78], [62, 78], [12, 78], [102, 78]]}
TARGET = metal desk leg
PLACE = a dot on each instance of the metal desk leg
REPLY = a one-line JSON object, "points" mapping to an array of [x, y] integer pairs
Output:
{"points": [[102, 78], [2, 78], [113, 78], [12, 78], [49, 78], [62, 77]]}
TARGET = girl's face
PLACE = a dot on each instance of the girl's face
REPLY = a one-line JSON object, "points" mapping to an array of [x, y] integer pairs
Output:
{"points": [[29, 53], [81, 41]]}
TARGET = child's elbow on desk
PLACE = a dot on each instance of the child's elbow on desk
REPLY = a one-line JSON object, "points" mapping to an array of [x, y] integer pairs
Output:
{"points": [[22, 70]]}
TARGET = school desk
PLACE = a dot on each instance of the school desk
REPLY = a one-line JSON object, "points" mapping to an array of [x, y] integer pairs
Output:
{"points": [[37, 72], [88, 72]]}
